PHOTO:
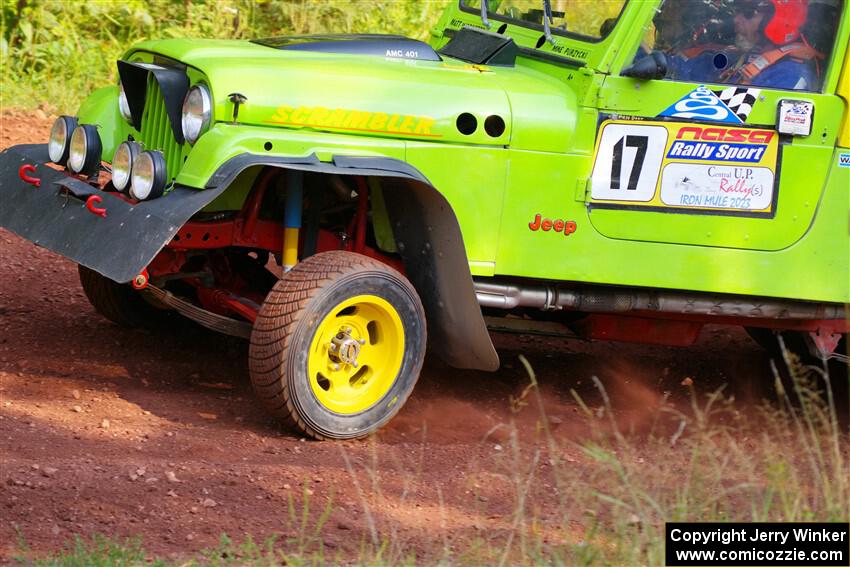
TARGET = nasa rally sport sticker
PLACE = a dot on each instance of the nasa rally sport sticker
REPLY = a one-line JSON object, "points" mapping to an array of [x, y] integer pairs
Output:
{"points": [[685, 166], [702, 104]]}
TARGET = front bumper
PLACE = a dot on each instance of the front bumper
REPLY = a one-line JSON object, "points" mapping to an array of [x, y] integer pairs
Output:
{"points": [[54, 215]]}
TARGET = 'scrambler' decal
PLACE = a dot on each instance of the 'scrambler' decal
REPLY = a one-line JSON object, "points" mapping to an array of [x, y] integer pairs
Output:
{"points": [[702, 104], [354, 120], [685, 166], [567, 227], [739, 100], [843, 160]]}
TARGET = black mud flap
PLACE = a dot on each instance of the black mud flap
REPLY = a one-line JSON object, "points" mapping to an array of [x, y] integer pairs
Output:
{"points": [[54, 215]]}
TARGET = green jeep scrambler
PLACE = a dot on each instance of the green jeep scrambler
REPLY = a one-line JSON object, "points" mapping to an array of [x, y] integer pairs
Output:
{"points": [[622, 170]]}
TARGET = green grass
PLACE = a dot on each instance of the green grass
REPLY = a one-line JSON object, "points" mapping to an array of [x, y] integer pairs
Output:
{"points": [[98, 552], [784, 461], [104, 552], [54, 52]]}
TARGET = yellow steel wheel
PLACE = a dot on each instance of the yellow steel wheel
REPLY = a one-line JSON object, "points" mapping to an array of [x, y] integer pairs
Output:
{"points": [[338, 345], [356, 354]]}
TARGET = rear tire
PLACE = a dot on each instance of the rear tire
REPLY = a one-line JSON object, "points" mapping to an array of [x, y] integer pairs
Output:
{"points": [[338, 345], [768, 339], [119, 303], [794, 341]]}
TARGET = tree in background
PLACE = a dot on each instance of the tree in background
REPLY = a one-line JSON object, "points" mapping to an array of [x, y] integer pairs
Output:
{"points": [[54, 52]]}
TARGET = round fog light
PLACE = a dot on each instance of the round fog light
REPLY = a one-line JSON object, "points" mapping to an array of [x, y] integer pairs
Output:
{"points": [[84, 154], [149, 175], [58, 145], [122, 164]]}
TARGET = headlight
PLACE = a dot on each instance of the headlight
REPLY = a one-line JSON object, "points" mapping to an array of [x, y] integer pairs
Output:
{"points": [[197, 111], [149, 176], [60, 138], [124, 106], [122, 164], [84, 155]]}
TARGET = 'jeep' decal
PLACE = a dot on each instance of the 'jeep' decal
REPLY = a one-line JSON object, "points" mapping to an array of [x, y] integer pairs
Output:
{"points": [[557, 225]]}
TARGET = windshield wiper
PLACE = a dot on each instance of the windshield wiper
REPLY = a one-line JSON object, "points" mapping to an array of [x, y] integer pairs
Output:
{"points": [[547, 20], [484, 8]]}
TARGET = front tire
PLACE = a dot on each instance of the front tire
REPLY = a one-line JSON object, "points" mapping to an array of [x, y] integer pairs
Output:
{"points": [[338, 345], [119, 303]]}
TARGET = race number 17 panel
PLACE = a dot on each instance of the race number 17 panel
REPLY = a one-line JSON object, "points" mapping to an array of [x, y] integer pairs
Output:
{"points": [[686, 166]]}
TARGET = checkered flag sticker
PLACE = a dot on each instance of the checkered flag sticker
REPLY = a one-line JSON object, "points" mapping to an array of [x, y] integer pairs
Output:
{"points": [[740, 100]]}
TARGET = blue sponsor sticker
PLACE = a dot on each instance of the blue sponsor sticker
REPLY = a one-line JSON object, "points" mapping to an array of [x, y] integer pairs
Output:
{"points": [[843, 160], [716, 151], [702, 104]]}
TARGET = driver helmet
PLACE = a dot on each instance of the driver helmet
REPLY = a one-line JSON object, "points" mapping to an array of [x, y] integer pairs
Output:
{"points": [[783, 19]]}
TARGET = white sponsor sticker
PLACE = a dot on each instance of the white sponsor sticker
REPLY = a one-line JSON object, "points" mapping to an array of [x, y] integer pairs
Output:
{"points": [[725, 187], [795, 117]]}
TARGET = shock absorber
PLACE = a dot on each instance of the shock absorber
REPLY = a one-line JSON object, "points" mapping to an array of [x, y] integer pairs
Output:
{"points": [[292, 218]]}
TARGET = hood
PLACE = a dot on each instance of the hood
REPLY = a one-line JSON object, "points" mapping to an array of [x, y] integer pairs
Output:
{"points": [[374, 86]]}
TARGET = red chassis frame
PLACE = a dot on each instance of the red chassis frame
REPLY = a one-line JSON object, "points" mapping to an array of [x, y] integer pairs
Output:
{"points": [[247, 230]]}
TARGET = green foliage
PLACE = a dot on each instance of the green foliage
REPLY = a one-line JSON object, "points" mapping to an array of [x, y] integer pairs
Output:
{"points": [[100, 552], [54, 52], [577, 16]]}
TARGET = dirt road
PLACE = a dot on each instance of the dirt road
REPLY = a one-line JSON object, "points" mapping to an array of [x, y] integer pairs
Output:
{"points": [[118, 432]]}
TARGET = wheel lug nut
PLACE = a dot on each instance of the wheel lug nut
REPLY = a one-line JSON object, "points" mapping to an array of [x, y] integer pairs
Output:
{"points": [[362, 341], [336, 367]]}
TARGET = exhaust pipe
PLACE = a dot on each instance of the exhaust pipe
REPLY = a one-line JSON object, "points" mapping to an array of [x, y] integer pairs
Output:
{"points": [[604, 300]]}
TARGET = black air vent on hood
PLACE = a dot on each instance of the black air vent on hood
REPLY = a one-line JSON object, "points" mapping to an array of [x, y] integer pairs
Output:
{"points": [[393, 46], [481, 47]]}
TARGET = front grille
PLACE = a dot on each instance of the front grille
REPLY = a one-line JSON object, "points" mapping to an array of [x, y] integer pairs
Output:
{"points": [[156, 129]]}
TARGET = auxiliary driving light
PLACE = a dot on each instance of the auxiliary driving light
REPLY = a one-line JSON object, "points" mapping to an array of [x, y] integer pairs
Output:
{"points": [[84, 154], [122, 164], [60, 137], [149, 175]]}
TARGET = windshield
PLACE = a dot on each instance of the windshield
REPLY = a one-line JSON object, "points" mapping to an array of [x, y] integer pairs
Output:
{"points": [[592, 19]]}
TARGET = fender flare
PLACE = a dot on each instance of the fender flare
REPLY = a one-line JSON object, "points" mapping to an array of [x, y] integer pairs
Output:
{"points": [[429, 241]]}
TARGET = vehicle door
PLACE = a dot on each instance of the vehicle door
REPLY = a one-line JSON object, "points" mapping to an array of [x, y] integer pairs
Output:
{"points": [[721, 150]]}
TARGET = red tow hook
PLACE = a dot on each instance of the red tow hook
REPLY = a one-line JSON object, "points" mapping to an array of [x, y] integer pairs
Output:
{"points": [[24, 170], [141, 281], [90, 205]]}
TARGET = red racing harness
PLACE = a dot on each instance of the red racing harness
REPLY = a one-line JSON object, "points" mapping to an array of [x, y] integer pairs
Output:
{"points": [[798, 51]]}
